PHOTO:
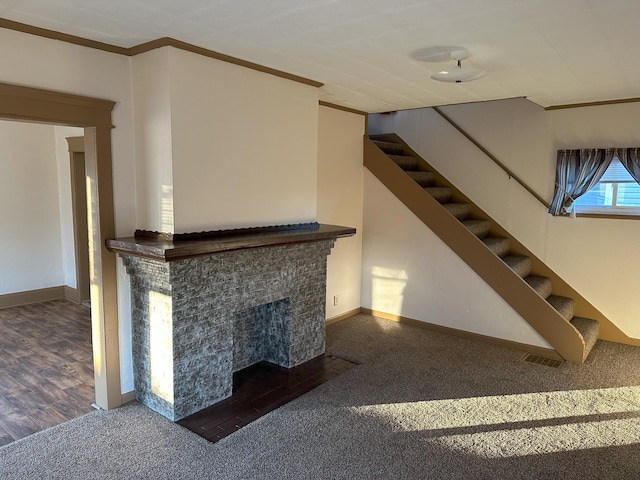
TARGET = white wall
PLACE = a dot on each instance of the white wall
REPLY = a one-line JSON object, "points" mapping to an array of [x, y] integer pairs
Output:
{"points": [[595, 256], [151, 80], [30, 246], [340, 202], [244, 146], [408, 271], [53, 65]]}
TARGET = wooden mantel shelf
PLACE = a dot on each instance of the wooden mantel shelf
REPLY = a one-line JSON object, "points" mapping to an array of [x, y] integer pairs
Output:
{"points": [[179, 247]]}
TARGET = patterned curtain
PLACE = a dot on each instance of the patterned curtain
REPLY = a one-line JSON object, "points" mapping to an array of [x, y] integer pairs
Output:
{"points": [[577, 171], [629, 158]]}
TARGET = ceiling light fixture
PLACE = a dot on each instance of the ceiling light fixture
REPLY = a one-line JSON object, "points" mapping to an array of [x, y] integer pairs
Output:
{"points": [[459, 74]]}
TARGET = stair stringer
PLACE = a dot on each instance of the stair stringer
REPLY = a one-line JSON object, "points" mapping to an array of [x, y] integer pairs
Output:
{"points": [[608, 330], [534, 309]]}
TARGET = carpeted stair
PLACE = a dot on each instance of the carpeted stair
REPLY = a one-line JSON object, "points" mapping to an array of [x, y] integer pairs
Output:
{"points": [[500, 246]]}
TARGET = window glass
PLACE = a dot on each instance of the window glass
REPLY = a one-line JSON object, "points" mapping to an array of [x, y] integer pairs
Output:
{"points": [[616, 193]]}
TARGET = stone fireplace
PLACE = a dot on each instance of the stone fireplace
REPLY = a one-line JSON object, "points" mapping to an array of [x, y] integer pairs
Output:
{"points": [[205, 307]]}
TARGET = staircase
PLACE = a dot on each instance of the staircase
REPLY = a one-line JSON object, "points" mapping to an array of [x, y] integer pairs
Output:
{"points": [[515, 273]]}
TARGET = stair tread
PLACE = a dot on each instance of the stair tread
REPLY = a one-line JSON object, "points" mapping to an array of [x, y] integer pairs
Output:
{"points": [[459, 210], [564, 305], [480, 228], [498, 245], [542, 285], [519, 264], [441, 194], [388, 147], [406, 162], [424, 179], [589, 329]]}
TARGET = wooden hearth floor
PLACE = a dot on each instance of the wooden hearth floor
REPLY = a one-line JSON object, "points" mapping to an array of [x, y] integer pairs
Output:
{"points": [[259, 389], [46, 367]]}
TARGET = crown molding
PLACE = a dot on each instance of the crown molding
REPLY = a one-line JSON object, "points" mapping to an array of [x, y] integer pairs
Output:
{"points": [[593, 104], [340, 107], [152, 45]]}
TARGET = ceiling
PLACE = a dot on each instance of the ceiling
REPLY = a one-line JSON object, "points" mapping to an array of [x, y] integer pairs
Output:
{"points": [[368, 52]]}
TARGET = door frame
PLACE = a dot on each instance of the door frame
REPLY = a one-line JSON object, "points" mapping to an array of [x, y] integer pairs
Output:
{"points": [[94, 115], [79, 214]]}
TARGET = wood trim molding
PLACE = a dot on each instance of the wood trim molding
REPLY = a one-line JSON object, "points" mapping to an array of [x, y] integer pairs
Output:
{"points": [[205, 52], [343, 316], [561, 334], [32, 104], [340, 107], [76, 144], [63, 37], [94, 115], [128, 397], [593, 104], [152, 45], [608, 215], [39, 295], [556, 330], [545, 352], [72, 294]]}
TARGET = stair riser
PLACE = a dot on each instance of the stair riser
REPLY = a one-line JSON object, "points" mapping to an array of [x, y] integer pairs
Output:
{"points": [[565, 306], [459, 210], [542, 285], [441, 194], [389, 147], [480, 228], [405, 163], [520, 265], [499, 246], [424, 179]]}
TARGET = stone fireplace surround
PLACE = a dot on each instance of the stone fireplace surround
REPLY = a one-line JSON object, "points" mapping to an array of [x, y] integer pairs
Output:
{"points": [[215, 303]]}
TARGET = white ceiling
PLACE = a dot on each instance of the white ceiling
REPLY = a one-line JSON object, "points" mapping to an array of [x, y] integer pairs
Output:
{"points": [[551, 51]]}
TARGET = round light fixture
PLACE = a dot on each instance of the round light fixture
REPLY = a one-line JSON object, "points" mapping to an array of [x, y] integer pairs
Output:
{"points": [[458, 74]]}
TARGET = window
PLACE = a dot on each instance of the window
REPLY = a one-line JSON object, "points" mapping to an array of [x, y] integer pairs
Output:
{"points": [[616, 193]]}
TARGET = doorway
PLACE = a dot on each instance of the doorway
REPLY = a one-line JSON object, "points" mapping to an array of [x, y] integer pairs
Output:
{"points": [[79, 215], [94, 115]]}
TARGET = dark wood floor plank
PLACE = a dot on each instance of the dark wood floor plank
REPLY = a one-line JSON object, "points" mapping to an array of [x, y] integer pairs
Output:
{"points": [[260, 389], [46, 367]]}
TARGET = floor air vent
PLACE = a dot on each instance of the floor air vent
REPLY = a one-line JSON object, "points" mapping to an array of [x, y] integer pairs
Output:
{"points": [[539, 360]]}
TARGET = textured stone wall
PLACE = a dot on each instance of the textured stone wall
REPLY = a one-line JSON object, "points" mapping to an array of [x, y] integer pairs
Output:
{"points": [[198, 320]]}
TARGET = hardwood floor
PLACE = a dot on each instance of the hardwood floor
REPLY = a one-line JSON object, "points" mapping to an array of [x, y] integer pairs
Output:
{"points": [[46, 376], [46, 367]]}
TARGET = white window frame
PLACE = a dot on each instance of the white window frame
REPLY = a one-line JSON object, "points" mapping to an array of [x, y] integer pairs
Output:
{"points": [[609, 210]]}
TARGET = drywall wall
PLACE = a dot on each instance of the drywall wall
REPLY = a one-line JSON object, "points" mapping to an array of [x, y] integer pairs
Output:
{"points": [[31, 253], [54, 65], [408, 271], [244, 146], [63, 164], [150, 78], [594, 256], [340, 202]]}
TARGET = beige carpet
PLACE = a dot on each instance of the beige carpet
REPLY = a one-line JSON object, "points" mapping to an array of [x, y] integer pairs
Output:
{"points": [[422, 405]]}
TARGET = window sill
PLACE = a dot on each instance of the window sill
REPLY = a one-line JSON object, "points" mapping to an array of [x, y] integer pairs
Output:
{"points": [[616, 216]]}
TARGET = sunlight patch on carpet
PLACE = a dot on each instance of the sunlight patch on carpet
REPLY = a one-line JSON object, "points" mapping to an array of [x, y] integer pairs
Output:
{"points": [[522, 424]]}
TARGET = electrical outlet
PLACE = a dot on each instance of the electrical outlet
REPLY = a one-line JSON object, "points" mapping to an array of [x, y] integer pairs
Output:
{"points": [[335, 300]]}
